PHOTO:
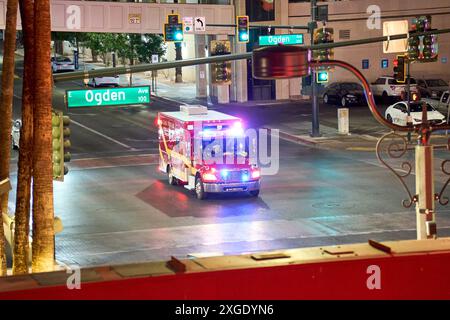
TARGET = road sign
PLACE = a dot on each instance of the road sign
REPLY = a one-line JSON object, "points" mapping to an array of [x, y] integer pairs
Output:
{"points": [[286, 39], [155, 58], [107, 97], [384, 63], [188, 23], [200, 24], [134, 18], [391, 28]]}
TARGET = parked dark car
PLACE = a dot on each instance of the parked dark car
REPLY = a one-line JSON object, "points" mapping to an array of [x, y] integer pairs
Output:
{"points": [[432, 88], [344, 94]]}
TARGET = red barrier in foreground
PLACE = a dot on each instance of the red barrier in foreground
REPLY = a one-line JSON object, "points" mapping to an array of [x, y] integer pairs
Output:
{"points": [[414, 276]]}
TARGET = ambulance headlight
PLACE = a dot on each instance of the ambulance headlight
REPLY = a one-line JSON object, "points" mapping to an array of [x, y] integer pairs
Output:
{"points": [[208, 176], [256, 174]]}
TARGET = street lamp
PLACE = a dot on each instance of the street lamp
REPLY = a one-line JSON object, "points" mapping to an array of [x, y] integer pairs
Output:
{"points": [[289, 62]]}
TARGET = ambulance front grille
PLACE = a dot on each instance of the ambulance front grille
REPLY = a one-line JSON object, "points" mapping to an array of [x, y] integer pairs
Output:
{"points": [[236, 176]]}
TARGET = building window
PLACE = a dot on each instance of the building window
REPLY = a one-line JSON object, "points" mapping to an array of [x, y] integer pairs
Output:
{"points": [[261, 10]]}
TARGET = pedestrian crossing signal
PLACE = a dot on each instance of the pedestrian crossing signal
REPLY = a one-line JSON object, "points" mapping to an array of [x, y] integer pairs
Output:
{"points": [[322, 77]]}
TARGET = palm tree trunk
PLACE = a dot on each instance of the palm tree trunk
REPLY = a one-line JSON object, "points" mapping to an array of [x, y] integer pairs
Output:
{"points": [[22, 216], [6, 100], [43, 233]]}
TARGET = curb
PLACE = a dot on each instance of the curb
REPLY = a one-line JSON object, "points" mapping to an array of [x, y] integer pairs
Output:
{"points": [[293, 138]]}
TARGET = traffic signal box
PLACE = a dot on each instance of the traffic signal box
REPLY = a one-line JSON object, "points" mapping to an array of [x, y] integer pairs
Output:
{"points": [[400, 68], [173, 29], [221, 71], [60, 144], [321, 36], [422, 48], [242, 29], [322, 76]]}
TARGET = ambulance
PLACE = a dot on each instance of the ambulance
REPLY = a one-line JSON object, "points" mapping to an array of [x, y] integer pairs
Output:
{"points": [[207, 151]]}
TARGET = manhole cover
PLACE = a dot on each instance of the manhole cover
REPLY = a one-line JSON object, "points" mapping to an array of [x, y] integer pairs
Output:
{"points": [[333, 205]]}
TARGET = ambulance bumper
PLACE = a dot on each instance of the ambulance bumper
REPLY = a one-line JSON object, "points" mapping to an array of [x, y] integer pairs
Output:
{"points": [[232, 187]]}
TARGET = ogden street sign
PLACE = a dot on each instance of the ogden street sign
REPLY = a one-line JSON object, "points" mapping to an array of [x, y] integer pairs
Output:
{"points": [[107, 97]]}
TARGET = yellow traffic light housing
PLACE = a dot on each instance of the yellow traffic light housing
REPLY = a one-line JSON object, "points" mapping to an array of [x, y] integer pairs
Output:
{"points": [[242, 29], [60, 145], [400, 69]]}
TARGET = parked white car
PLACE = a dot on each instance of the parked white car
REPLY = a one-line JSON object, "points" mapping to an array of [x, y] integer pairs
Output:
{"points": [[15, 133], [62, 64], [441, 105], [111, 81], [388, 88], [398, 113]]}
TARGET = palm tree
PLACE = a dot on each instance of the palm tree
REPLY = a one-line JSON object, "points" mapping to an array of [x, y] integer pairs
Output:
{"points": [[22, 215], [6, 100], [43, 233]]}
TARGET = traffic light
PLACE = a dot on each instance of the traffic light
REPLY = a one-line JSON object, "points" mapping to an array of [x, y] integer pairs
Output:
{"points": [[221, 71], [422, 48], [173, 29], [413, 47], [322, 76], [321, 36], [60, 144], [242, 27], [400, 69]]}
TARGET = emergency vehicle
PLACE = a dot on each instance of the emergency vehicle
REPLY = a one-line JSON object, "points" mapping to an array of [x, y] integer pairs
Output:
{"points": [[207, 151]]}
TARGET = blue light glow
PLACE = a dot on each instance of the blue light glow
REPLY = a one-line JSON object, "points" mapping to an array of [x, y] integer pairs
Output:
{"points": [[179, 36], [322, 76], [224, 173], [245, 177], [244, 36]]}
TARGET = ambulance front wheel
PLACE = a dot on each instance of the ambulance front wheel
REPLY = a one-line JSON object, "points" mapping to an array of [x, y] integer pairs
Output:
{"points": [[200, 190], [254, 193], [171, 179]]}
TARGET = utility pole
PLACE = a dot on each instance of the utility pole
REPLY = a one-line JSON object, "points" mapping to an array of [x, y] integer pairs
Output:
{"points": [[315, 132], [408, 93]]}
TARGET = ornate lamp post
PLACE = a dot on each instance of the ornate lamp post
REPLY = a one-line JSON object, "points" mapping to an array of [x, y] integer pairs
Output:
{"points": [[289, 62]]}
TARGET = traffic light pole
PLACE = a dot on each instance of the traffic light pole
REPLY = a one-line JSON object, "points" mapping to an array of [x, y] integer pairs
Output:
{"points": [[66, 76], [408, 94], [315, 132]]}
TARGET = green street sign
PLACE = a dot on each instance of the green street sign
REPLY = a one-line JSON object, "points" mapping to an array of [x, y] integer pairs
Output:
{"points": [[286, 39], [107, 97]]}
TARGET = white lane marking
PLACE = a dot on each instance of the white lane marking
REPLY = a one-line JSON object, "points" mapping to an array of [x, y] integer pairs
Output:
{"points": [[82, 114], [114, 166], [102, 135]]}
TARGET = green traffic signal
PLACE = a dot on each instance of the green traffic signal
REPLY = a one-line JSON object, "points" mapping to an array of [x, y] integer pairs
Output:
{"points": [[242, 27], [322, 77]]}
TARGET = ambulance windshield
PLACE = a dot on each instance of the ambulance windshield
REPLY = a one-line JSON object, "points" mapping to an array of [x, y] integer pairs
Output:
{"points": [[218, 149]]}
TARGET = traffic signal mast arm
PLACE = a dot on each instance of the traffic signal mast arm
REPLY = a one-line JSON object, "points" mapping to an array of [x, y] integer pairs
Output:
{"points": [[239, 56]]}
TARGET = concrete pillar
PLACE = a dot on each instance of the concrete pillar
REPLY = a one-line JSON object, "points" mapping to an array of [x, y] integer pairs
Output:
{"points": [[425, 210], [201, 85], [240, 90], [223, 91]]}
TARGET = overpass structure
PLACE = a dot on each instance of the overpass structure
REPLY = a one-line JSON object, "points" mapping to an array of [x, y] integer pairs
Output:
{"points": [[117, 17]]}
